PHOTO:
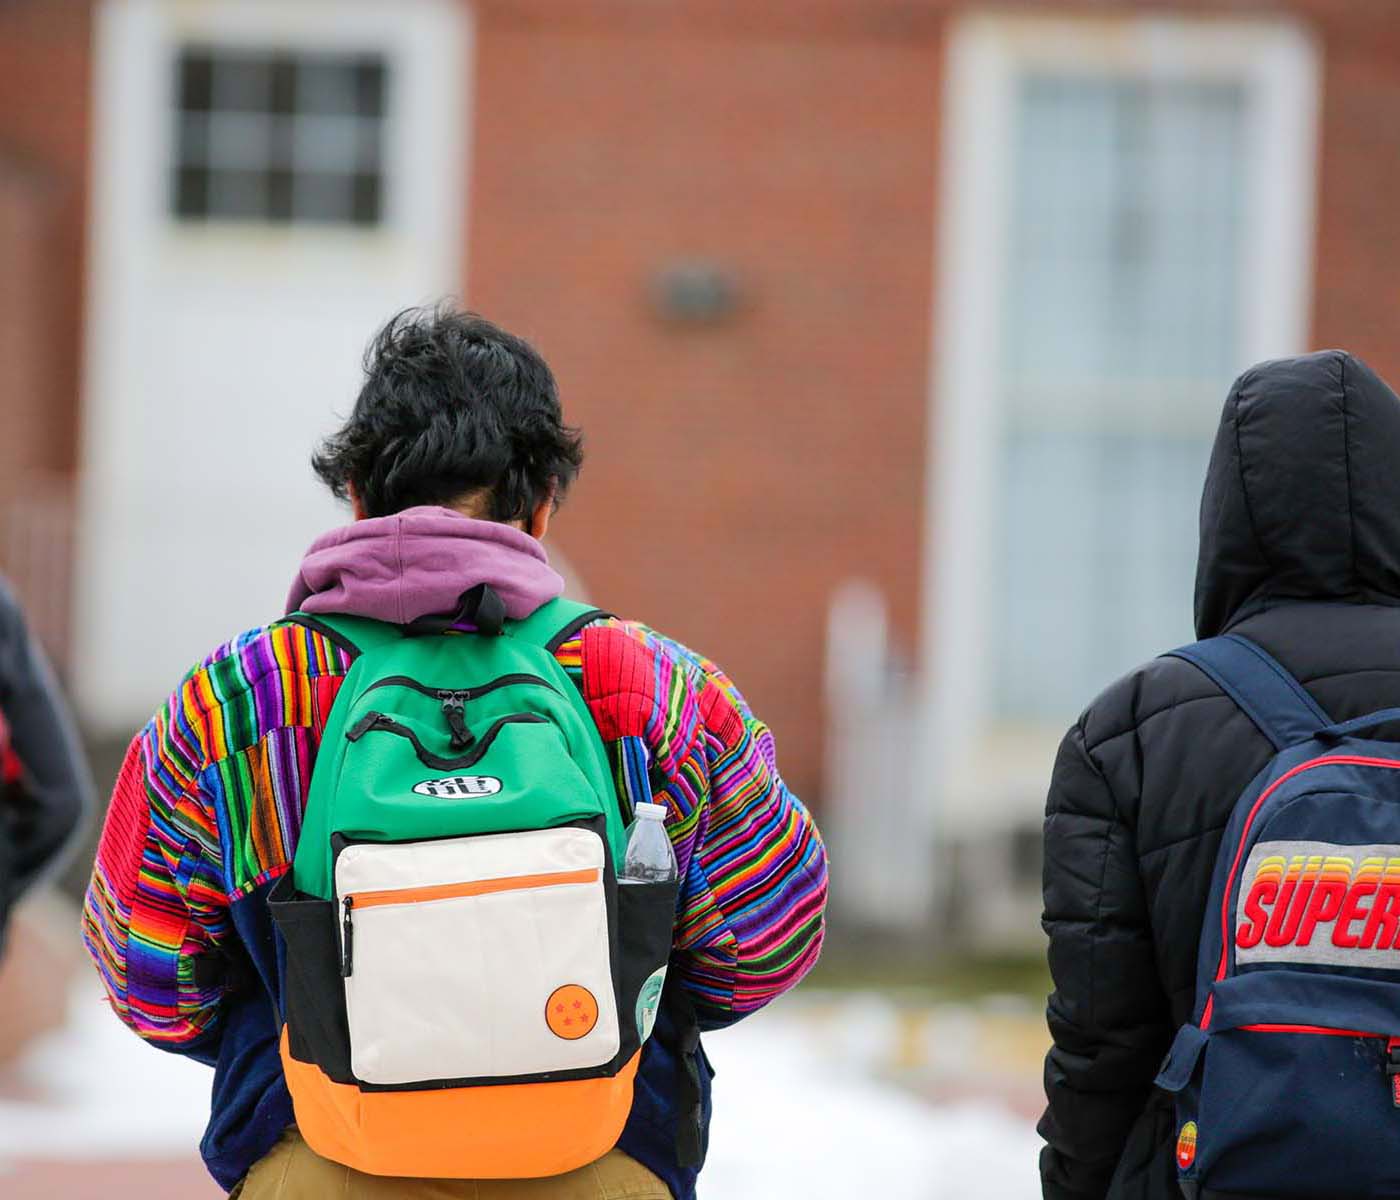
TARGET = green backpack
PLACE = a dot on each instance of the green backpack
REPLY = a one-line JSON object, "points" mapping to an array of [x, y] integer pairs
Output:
{"points": [[466, 986]]}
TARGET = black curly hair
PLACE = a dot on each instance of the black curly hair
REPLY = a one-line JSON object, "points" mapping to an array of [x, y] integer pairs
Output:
{"points": [[452, 406]]}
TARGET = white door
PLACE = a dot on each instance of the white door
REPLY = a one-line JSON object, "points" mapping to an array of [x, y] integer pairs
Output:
{"points": [[271, 180]]}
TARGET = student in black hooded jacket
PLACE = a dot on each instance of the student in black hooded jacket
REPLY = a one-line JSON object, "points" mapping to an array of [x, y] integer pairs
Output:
{"points": [[42, 808], [1300, 551]]}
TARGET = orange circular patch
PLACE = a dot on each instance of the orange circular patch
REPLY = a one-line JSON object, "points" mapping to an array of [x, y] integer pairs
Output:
{"points": [[572, 1012]]}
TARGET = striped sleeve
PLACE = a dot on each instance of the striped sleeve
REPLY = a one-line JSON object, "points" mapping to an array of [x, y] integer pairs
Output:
{"points": [[156, 907], [753, 867], [207, 806]]}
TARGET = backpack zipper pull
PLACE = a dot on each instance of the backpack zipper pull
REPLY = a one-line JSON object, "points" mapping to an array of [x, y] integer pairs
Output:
{"points": [[1392, 1068], [347, 957], [454, 708], [363, 726]]}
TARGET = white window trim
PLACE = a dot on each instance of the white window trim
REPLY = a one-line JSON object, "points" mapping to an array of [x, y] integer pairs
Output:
{"points": [[427, 46], [979, 774]]}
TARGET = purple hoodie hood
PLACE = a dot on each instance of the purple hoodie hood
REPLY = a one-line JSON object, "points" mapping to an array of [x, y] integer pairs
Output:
{"points": [[418, 563]]}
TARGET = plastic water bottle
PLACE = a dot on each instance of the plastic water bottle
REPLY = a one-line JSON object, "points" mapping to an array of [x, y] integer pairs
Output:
{"points": [[650, 856]]}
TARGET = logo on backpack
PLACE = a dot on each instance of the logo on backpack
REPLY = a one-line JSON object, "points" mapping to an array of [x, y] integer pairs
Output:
{"points": [[1318, 902], [571, 1012], [450, 787], [1186, 1146], [648, 1001]]}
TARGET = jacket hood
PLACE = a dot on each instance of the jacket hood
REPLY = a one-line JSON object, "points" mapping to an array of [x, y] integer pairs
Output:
{"points": [[1302, 495], [417, 563]]}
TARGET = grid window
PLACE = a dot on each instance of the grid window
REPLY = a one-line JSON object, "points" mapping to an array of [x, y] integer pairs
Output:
{"points": [[1121, 332], [274, 136]]}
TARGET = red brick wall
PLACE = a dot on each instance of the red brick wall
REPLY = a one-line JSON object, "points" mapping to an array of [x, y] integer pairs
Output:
{"points": [[1357, 291], [736, 473], [27, 388], [45, 88]]}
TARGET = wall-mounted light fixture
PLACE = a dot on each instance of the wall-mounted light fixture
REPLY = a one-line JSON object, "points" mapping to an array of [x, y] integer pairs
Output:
{"points": [[694, 292]]}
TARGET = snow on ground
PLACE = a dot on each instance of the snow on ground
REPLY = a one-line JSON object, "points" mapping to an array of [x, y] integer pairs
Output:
{"points": [[799, 1110], [102, 1093], [798, 1114]]}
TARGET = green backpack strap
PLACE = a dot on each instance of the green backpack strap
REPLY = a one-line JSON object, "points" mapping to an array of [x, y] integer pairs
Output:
{"points": [[354, 635], [554, 623]]}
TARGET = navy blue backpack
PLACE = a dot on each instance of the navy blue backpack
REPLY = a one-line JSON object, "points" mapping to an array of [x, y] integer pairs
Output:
{"points": [[1287, 1081]]}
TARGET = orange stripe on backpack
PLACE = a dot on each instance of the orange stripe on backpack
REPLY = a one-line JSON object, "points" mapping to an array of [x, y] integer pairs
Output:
{"points": [[572, 1012]]}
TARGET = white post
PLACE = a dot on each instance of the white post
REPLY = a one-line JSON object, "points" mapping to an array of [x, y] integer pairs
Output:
{"points": [[877, 818]]}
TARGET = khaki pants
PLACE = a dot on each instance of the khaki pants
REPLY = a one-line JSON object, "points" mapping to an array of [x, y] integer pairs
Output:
{"points": [[291, 1170]]}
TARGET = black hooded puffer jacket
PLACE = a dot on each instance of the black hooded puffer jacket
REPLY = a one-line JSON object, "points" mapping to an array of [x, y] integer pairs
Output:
{"points": [[1300, 551]]}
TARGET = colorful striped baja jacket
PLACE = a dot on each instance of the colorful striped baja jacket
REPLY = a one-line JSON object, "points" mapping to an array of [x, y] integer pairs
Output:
{"points": [[207, 809]]}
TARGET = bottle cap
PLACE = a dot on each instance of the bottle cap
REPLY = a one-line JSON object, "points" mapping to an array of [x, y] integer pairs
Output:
{"points": [[655, 811]]}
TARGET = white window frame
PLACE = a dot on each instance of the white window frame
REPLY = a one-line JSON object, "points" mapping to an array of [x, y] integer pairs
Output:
{"points": [[311, 133], [984, 774], [427, 46]]}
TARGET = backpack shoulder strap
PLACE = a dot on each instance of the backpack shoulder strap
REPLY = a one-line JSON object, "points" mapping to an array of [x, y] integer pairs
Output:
{"points": [[554, 623], [1267, 694], [354, 635]]}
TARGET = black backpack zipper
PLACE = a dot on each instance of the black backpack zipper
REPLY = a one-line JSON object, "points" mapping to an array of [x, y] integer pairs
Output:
{"points": [[378, 721], [454, 708], [471, 693], [454, 700], [347, 957]]}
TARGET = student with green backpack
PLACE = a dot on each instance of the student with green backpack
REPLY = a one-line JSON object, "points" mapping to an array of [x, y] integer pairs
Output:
{"points": [[394, 864]]}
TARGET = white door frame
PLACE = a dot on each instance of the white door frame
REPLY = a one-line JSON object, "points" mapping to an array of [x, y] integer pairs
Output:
{"points": [[986, 55], [217, 351]]}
